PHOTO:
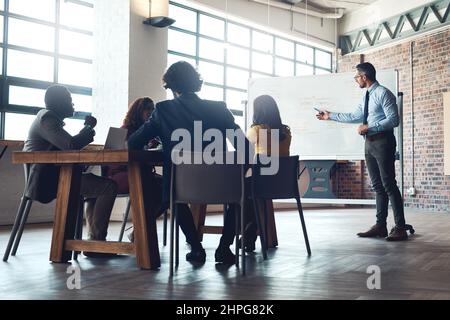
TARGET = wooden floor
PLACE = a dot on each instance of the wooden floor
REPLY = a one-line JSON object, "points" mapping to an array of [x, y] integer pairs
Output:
{"points": [[415, 269]]}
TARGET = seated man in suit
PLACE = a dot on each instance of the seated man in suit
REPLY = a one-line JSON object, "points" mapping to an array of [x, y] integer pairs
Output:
{"points": [[47, 133], [181, 113]]}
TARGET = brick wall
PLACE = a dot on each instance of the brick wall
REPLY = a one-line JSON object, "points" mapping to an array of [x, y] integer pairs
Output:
{"points": [[431, 68]]}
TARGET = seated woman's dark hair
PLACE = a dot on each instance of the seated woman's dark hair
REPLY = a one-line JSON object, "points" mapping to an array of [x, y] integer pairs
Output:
{"points": [[265, 112], [181, 77], [133, 119]]}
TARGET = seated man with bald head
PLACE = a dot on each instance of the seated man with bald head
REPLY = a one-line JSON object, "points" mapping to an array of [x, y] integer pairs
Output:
{"points": [[47, 134]]}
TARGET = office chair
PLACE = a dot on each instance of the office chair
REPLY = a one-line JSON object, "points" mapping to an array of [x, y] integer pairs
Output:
{"points": [[219, 184]]}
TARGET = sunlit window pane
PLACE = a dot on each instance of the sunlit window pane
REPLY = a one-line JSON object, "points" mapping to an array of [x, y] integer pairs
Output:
{"points": [[29, 65], [182, 42], [238, 35], [237, 78], [262, 62], [284, 48], [212, 50], [238, 56], [211, 72], [75, 73], [211, 93], [17, 126], [323, 59], [76, 44], [172, 58], [1, 28], [31, 35], [262, 42], [240, 121], [305, 54], [2, 6], [212, 27], [73, 126], [284, 68], [304, 70], [42, 9], [235, 99], [23, 96], [77, 16], [184, 19], [321, 71], [256, 75], [82, 103]]}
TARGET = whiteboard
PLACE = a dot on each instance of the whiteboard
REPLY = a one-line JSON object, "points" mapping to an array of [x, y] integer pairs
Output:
{"points": [[296, 98]]}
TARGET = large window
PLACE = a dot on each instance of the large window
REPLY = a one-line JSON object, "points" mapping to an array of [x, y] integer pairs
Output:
{"points": [[43, 42], [227, 54]]}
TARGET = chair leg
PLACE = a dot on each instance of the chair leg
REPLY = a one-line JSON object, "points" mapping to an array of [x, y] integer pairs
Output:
{"points": [[237, 232], [305, 234], [79, 228], [165, 229], [22, 227], [243, 261], [172, 227], [15, 228], [125, 219], [262, 235], [177, 242]]}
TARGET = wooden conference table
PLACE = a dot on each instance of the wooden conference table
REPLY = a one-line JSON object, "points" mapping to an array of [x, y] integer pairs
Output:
{"points": [[145, 245]]}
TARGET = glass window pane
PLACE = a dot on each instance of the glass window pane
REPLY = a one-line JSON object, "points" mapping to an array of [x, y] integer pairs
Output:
{"points": [[236, 99], [31, 35], [42, 9], [182, 42], [305, 54], [1, 28], [29, 65], [77, 16], [237, 78], [184, 19], [256, 75], [23, 96], [73, 126], [323, 59], [238, 56], [82, 103], [2, 5], [262, 42], [172, 58], [211, 93], [212, 50], [76, 44], [304, 70], [75, 73], [238, 35], [262, 62], [321, 71], [211, 72], [240, 121], [284, 48], [284, 68], [17, 126], [212, 27]]}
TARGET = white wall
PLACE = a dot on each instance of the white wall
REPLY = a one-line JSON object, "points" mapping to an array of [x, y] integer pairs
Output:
{"points": [[377, 12]]}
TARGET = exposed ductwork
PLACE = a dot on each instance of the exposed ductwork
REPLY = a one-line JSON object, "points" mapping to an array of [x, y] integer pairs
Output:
{"points": [[311, 12]]}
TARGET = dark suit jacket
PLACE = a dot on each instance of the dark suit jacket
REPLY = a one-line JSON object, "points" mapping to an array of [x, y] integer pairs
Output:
{"points": [[180, 113], [47, 134]]}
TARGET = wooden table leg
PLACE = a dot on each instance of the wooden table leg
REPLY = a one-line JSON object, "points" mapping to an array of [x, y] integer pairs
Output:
{"points": [[144, 221], [199, 215], [67, 202]]}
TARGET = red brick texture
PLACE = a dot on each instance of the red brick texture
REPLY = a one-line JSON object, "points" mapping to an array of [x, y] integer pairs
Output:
{"points": [[431, 78]]}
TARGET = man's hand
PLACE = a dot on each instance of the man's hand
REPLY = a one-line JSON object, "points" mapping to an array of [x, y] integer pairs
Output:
{"points": [[323, 115], [363, 129]]}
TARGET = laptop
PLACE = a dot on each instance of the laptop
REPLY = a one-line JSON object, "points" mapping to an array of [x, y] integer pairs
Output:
{"points": [[116, 139]]}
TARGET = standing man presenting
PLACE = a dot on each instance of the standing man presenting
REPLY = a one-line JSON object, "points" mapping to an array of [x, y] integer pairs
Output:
{"points": [[378, 115]]}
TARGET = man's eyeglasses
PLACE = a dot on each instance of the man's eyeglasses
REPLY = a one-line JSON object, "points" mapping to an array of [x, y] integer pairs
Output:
{"points": [[358, 76]]}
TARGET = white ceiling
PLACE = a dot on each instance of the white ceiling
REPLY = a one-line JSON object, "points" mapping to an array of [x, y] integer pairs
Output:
{"points": [[330, 5]]}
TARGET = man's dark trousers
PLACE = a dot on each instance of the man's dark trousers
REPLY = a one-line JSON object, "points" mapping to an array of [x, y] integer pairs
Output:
{"points": [[380, 160]]}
